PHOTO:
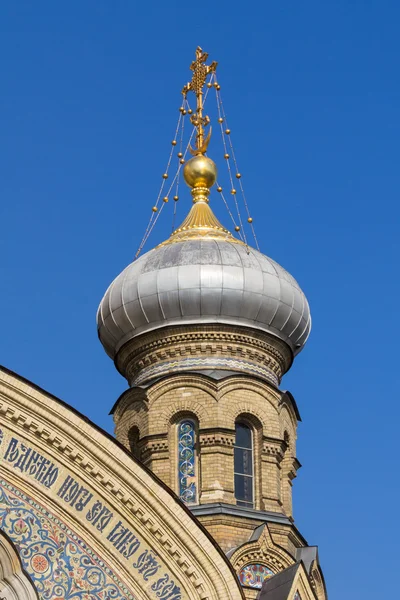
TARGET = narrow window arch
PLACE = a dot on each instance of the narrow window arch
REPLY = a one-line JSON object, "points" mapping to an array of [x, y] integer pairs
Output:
{"points": [[187, 461], [243, 465], [133, 439]]}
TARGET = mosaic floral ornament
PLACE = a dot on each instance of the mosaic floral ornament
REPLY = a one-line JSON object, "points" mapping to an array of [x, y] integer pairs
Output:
{"points": [[58, 562], [186, 461], [254, 575]]}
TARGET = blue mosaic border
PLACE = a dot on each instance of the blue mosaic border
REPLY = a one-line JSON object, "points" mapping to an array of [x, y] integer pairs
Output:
{"points": [[187, 364]]}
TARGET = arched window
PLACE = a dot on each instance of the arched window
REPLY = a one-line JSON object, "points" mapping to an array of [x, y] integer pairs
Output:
{"points": [[243, 466], [254, 575], [286, 437], [134, 437], [187, 468]]}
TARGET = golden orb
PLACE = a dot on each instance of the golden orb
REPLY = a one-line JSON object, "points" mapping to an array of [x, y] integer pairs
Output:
{"points": [[220, 120], [237, 228], [180, 154], [154, 209], [219, 189], [200, 171], [249, 220], [165, 199], [176, 198], [173, 142]]}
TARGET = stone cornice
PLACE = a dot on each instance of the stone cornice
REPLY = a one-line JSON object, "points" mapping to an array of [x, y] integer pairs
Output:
{"points": [[215, 388]]}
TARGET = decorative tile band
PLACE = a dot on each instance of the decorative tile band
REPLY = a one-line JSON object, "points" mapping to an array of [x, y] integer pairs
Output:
{"points": [[188, 364]]}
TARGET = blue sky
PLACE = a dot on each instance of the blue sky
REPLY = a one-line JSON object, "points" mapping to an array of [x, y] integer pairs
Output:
{"points": [[88, 105]]}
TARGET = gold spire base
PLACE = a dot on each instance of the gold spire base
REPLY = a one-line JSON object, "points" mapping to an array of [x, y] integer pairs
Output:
{"points": [[201, 223]]}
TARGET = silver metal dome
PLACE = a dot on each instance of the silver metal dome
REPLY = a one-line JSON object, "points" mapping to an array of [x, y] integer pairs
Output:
{"points": [[203, 281]]}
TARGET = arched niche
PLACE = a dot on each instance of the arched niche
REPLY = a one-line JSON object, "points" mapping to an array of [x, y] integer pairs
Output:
{"points": [[15, 583]]}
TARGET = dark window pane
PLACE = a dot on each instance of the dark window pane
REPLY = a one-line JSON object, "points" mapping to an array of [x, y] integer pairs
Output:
{"points": [[244, 488], [243, 436], [243, 461]]}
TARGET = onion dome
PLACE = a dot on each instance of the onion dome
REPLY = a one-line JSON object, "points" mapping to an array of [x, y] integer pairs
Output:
{"points": [[203, 275], [203, 300]]}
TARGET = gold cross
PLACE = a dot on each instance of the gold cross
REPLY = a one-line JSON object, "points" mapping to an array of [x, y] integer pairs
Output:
{"points": [[200, 72]]}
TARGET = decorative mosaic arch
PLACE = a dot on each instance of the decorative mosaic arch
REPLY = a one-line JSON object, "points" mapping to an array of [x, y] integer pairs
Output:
{"points": [[58, 562], [88, 521]]}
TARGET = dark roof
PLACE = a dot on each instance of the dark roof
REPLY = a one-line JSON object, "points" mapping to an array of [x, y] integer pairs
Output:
{"points": [[307, 555], [279, 586], [290, 396]]}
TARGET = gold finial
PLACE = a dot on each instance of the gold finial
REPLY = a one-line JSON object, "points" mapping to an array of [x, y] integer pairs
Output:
{"points": [[200, 72], [200, 172]]}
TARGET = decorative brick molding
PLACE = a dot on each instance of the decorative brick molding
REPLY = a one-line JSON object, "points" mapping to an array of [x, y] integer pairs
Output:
{"points": [[273, 447], [217, 437], [261, 549]]}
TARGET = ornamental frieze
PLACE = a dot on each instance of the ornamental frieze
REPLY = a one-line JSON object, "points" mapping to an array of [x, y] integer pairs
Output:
{"points": [[266, 357]]}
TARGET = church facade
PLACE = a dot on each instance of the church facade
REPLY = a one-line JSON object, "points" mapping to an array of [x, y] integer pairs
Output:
{"points": [[192, 499]]}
